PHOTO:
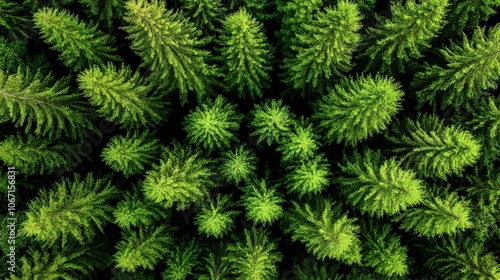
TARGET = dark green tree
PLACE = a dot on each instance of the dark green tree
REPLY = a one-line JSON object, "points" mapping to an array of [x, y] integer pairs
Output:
{"points": [[11, 20], [79, 44], [262, 202], [214, 265], [106, 12], [356, 109], [214, 218], [271, 120], [170, 47], [246, 55], [10, 55], [182, 259], [238, 165], [464, 15], [312, 269], [205, 14], [309, 176]]}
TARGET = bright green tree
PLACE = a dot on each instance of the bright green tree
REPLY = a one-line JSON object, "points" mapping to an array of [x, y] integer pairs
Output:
{"points": [[271, 120], [403, 37], [464, 15], [309, 176], [253, 255], [471, 70], [246, 55], [262, 202], [78, 43], [238, 164], [214, 218], [433, 149], [11, 21], [170, 46], [72, 208], [35, 101], [182, 259], [355, 109], [205, 14], [378, 186], [300, 144], [121, 96], [325, 231], [131, 154], [181, 178], [324, 49], [213, 124]]}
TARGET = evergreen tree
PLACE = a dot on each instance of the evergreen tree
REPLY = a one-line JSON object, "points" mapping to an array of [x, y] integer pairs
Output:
{"points": [[72, 208], [35, 101], [181, 178], [181, 259], [262, 202], [309, 176], [271, 120], [78, 43], [214, 219], [105, 11], [464, 15], [10, 55], [122, 96], [246, 55], [170, 46], [261, 10], [377, 186], [213, 124], [300, 144], [143, 248], [253, 255], [403, 38], [356, 109], [215, 267], [434, 150], [238, 165], [131, 154], [11, 22], [324, 230], [205, 14], [324, 48], [311, 269], [471, 70]]}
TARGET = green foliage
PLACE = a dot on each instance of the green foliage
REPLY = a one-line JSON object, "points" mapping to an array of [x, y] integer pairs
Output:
{"points": [[143, 248], [10, 21], [205, 14], [324, 48], [246, 55], [259, 9], [445, 213], [71, 208], [471, 70], [238, 165], [324, 230], [181, 178], [253, 255], [131, 154], [32, 155], [213, 124], [10, 55], [271, 120], [170, 46], [262, 202], [79, 44], [35, 101], [300, 144], [214, 219], [463, 15], [215, 267], [356, 109], [105, 11], [181, 260], [309, 176], [378, 186], [434, 150], [311, 269], [405, 36], [122, 96]]}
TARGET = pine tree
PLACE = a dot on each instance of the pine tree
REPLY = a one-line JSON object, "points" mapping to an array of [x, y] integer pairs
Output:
{"points": [[142, 248], [464, 15], [213, 124], [378, 186], [405, 36], [324, 48], [32, 155], [107, 12], [72, 208], [261, 10], [131, 154], [11, 22], [271, 120], [238, 165], [181, 259], [309, 176], [181, 178], [472, 69], [356, 109], [300, 144], [262, 202], [122, 96], [214, 218], [246, 55], [35, 101], [434, 150], [170, 46], [215, 267], [205, 14], [79, 44], [253, 255], [325, 231]]}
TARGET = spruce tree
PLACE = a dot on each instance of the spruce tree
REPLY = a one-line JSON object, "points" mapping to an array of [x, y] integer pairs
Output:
{"points": [[72, 208], [403, 38], [312, 269], [214, 218], [432, 149], [11, 55], [205, 14], [214, 265], [323, 50], [79, 44], [170, 47], [356, 109], [106, 12], [122, 96], [464, 15], [246, 55], [34, 101], [300, 144], [262, 202], [237, 165], [271, 120], [378, 186], [308, 176], [182, 259], [11, 22]]}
